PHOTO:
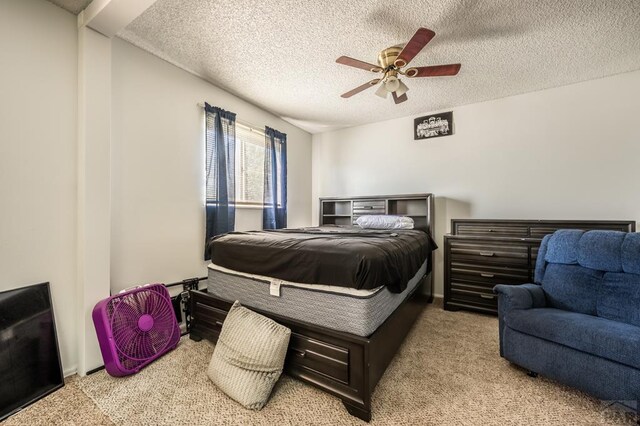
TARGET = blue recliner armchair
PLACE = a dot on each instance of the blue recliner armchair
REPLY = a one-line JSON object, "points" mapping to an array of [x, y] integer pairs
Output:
{"points": [[579, 323]]}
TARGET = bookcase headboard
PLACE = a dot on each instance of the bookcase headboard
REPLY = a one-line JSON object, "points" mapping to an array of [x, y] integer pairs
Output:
{"points": [[346, 210]]}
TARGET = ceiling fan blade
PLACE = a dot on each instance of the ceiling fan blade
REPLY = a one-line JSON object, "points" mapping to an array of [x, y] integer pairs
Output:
{"points": [[399, 99], [414, 46], [359, 89], [345, 60], [433, 71]]}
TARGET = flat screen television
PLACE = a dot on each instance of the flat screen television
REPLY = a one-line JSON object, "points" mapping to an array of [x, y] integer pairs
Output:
{"points": [[29, 357]]}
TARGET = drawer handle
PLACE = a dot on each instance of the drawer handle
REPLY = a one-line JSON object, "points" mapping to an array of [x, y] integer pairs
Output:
{"points": [[487, 253], [299, 353], [488, 296], [490, 230], [219, 323], [487, 275]]}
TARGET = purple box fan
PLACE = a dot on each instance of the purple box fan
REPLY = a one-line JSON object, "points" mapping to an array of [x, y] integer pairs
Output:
{"points": [[135, 327]]}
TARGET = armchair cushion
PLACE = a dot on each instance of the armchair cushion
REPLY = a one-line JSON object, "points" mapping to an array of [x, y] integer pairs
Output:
{"points": [[631, 253], [563, 247], [609, 339], [601, 250], [572, 287], [619, 298]]}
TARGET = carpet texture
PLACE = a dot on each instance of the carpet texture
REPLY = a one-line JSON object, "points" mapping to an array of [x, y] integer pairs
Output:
{"points": [[448, 372], [67, 406]]}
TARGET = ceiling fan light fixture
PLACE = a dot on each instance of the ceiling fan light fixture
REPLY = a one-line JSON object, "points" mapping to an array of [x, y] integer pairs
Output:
{"points": [[402, 88], [392, 84], [382, 91]]}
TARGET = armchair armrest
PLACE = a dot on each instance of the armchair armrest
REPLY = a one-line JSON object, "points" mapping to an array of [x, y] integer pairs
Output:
{"points": [[510, 297], [523, 296]]}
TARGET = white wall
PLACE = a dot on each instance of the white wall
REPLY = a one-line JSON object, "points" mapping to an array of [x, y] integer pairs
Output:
{"points": [[38, 93], [158, 168], [94, 189], [565, 153]]}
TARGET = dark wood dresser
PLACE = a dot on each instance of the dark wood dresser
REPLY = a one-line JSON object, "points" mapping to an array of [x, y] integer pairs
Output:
{"points": [[480, 253]]}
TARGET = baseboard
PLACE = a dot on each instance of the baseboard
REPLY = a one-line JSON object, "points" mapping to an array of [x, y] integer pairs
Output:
{"points": [[70, 371], [438, 300]]}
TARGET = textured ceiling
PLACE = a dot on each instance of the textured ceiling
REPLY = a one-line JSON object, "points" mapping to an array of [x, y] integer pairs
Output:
{"points": [[280, 55], [73, 6]]}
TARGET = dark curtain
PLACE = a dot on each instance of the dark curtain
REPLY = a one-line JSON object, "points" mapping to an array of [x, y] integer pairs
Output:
{"points": [[221, 177], [274, 213]]}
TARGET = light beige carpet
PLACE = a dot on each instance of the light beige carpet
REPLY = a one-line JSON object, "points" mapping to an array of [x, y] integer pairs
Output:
{"points": [[67, 406], [448, 372]]}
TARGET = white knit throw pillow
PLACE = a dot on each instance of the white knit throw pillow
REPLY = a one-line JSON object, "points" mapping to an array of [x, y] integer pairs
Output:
{"points": [[249, 356]]}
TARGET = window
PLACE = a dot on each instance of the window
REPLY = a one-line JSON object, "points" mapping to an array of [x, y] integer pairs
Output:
{"points": [[249, 165]]}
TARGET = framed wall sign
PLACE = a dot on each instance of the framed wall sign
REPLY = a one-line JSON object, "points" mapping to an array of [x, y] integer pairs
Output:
{"points": [[433, 126]]}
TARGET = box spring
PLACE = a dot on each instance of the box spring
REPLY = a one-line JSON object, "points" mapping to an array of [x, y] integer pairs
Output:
{"points": [[359, 314]]}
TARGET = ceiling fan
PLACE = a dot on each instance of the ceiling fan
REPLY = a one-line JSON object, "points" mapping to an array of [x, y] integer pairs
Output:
{"points": [[391, 62]]}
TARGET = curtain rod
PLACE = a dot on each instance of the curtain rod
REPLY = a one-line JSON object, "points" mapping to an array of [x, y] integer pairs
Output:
{"points": [[249, 126]]}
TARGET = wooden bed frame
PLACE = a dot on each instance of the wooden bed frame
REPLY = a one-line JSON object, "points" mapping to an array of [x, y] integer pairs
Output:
{"points": [[342, 364]]}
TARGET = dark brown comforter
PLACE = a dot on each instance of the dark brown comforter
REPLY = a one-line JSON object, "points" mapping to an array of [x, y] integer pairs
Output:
{"points": [[347, 257]]}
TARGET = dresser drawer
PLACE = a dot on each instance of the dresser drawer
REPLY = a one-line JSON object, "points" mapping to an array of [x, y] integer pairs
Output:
{"points": [[478, 286], [469, 295], [360, 203], [319, 357], [488, 274], [541, 231], [489, 253], [369, 204], [369, 207], [362, 212], [492, 230], [534, 255], [209, 317]]}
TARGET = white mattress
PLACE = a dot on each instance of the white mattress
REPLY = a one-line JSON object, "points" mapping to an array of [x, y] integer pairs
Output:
{"points": [[358, 312], [315, 287]]}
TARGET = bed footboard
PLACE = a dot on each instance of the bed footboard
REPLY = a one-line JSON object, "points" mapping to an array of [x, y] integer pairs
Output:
{"points": [[342, 364]]}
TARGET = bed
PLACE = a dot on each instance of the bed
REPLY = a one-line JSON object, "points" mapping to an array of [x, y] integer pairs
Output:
{"points": [[348, 312]]}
